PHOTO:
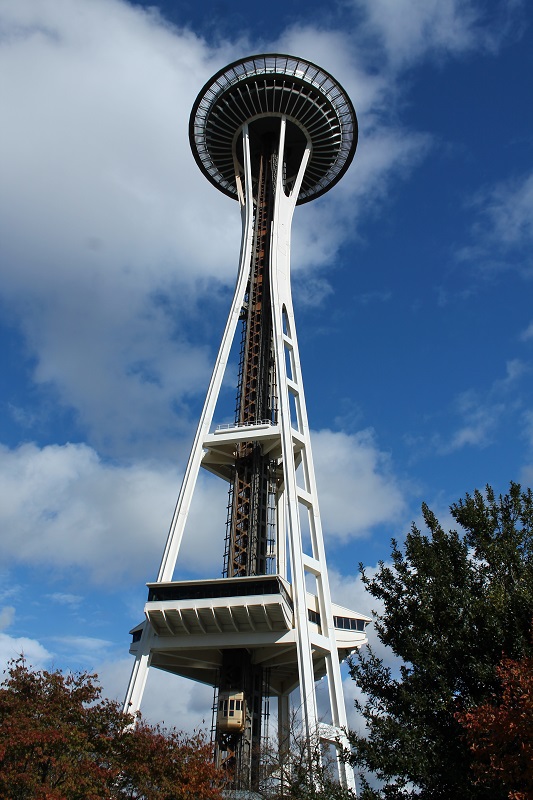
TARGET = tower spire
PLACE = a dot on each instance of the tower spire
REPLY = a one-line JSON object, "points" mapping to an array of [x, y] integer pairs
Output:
{"points": [[271, 131]]}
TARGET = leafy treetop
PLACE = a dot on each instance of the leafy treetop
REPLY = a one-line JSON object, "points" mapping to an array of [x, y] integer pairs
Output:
{"points": [[59, 740]]}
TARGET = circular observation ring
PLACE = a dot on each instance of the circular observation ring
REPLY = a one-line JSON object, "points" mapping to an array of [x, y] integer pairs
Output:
{"points": [[270, 86]]}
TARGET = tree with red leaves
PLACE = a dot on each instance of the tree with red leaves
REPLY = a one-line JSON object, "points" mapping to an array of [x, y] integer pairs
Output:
{"points": [[500, 733], [59, 740]]}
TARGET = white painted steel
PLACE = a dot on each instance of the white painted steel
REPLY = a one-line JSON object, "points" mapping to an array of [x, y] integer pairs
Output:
{"points": [[274, 85], [139, 673], [291, 438]]}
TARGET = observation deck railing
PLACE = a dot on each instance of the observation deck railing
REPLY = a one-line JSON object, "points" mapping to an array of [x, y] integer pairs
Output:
{"points": [[228, 426]]}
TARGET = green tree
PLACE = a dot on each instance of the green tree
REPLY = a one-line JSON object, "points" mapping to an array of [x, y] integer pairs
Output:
{"points": [[453, 604], [59, 740]]}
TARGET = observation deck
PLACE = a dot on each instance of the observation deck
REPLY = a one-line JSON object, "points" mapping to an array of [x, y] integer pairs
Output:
{"points": [[259, 90], [195, 621]]}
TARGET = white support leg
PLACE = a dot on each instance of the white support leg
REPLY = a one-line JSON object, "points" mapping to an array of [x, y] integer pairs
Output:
{"points": [[139, 674], [283, 318], [284, 737]]}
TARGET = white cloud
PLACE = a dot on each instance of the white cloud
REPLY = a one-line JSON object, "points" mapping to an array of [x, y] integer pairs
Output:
{"points": [[102, 209], [11, 647], [508, 208], [408, 30], [167, 699], [528, 426], [502, 234], [81, 651], [177, 701], [7, 615], [65, 508], [349, 591], [66, 599], [127, 237], [479, 423], [526, 475], [527, 334], [356, 484], [98, 142], [480, 415]]}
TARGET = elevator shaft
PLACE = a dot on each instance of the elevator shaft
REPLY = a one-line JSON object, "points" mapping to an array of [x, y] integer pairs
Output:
{"points": [[248, 535]]}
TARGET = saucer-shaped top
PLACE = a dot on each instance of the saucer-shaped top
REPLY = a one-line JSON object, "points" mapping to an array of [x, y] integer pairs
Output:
{"points": [[259, 90]]}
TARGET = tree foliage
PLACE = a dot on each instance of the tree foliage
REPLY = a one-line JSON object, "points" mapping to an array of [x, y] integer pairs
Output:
{"points": [[59, 740], [453, 603], [500, 732]]}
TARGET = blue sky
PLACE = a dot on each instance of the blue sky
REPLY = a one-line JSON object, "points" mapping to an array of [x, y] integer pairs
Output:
{"points": [[412, 283]]}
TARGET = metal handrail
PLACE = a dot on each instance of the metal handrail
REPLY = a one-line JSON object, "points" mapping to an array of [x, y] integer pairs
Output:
{"points": [[226, 426]]}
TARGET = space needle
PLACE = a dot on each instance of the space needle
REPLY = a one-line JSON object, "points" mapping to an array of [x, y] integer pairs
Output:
{"points": [[272, 132]]}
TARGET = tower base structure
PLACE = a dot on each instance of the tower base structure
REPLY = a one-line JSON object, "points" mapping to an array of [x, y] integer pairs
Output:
{"points": [[271, 131]]}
